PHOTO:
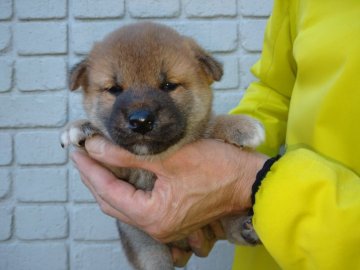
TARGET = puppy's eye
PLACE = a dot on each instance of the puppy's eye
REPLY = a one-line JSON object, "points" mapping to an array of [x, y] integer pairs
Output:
{"points": [[168, 86], [115, 90]]}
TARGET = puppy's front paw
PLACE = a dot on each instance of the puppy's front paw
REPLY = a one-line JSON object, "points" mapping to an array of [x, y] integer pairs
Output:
{"points": [[77, 132], [240, 130], [252, 136]]}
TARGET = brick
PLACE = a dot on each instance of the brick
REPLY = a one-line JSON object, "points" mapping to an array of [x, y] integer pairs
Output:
{"points": [[89, 223], [85, 34], [224, 101], [95, 9], [246, 62], [223, 250], [231, 72], [40, 9], [36, 147], [37, 38], [33, 110], [6, 155], [79, 192], [41, 185], [5, 37], [41, 73], [39, 256], [99, 256], [5, 183], [256, 7], [5, 9], [210, 8], [154, 8], [5, 223], [6, 75], [41, 222], [213, 36], [252, 34]]}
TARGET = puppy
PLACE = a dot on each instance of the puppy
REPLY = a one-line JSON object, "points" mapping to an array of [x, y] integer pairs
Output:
{"points": [[147, 89]]}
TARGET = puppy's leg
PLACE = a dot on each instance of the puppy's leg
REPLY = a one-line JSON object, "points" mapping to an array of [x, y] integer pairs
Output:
{"points": [[142, 251], [75, 133], [240, 130]]}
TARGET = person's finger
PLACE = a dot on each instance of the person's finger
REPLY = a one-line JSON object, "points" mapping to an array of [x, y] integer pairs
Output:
{"points": [[180, 257], [108, 187], [104, 206], [217, 229], [200, 244], [103, 150]]}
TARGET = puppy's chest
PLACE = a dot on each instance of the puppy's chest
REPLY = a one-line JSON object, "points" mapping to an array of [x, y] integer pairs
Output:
{"points": [[142, 179], [139, 178]]}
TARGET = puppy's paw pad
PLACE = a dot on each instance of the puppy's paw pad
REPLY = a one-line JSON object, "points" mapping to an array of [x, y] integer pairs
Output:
{"points": [[248, 233], [239, 230]]}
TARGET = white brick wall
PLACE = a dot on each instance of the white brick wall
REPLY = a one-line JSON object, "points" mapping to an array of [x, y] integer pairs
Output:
{"points": [[34, 222], [89, 9], [154, 8], [48, 219], [40, 9], [5, 184]]}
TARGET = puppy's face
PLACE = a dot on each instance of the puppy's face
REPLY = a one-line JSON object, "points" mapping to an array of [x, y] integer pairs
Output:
{"points": [[147, 88]]}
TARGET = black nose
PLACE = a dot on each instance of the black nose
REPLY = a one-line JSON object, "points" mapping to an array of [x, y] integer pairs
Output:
{"points": [[141, 121]]}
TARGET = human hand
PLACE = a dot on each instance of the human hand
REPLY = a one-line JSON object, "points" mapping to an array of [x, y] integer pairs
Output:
{"points": [[195, 186]]}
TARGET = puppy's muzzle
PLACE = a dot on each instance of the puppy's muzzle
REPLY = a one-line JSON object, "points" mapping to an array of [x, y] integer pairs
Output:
{"points": [[141, 121]]}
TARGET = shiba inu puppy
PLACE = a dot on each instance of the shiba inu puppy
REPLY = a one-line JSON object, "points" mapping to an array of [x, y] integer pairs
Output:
{"points": [[147, 89]]}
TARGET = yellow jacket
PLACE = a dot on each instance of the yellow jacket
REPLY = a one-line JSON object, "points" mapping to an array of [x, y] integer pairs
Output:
{"points": [[307, 210]]}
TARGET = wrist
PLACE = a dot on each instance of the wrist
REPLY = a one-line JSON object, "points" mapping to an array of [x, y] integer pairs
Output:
{"points": [[249, 164], [261, 175]]}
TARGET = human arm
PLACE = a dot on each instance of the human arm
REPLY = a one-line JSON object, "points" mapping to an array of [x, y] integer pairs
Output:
{"points": [[307, 212]]}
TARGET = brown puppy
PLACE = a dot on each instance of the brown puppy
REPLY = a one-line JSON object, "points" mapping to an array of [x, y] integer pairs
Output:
{"points": [[147, 89]]}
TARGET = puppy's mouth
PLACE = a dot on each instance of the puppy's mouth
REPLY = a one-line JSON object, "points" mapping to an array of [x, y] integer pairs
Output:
{"points": [[151, 143], [144, 132]]}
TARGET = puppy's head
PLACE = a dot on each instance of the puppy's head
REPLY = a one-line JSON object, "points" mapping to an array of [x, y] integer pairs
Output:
{"points": [[147, 87]]}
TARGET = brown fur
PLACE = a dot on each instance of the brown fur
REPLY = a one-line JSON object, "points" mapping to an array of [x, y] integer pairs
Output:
{"points": [[136, 61]]}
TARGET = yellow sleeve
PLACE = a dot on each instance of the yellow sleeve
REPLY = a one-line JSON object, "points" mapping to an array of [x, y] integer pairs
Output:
{"points": [[268, 99], [307, 213], [307, 210]]}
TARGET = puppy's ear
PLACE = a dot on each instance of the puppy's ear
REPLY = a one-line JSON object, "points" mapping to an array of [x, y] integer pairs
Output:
{"points": [[212, 68], [78, 76]]}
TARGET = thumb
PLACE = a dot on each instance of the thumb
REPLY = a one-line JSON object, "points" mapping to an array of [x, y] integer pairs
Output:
{"points": [[104, 151]]}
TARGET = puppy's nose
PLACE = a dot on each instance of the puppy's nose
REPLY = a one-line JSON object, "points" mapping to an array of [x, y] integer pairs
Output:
{"points": [[141, 121]]}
